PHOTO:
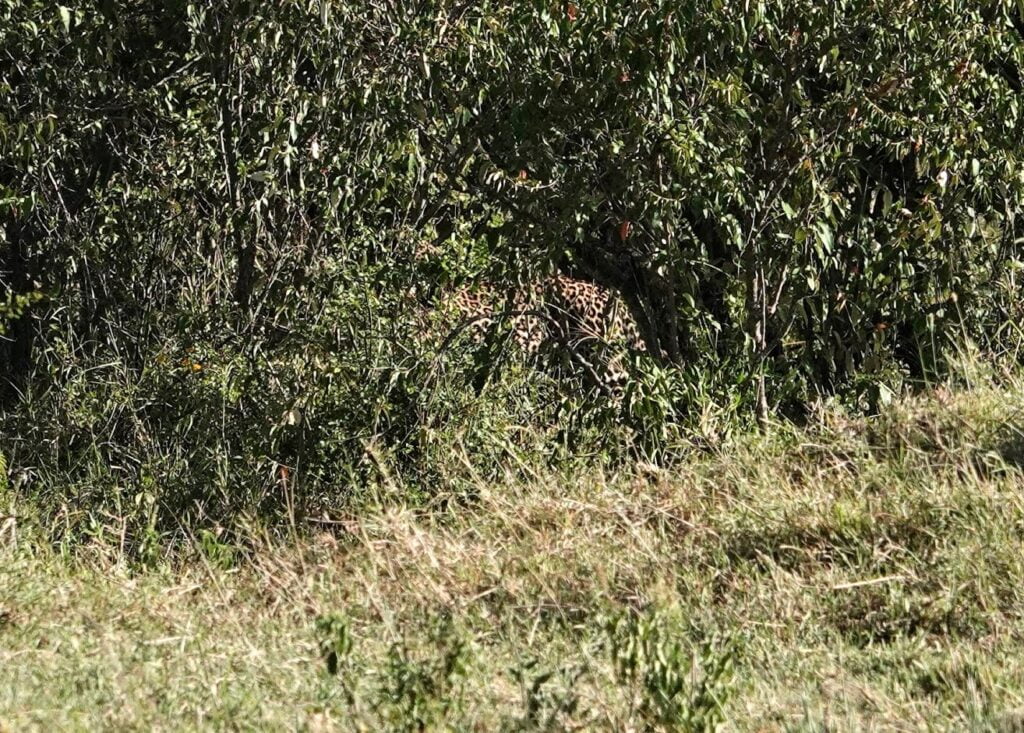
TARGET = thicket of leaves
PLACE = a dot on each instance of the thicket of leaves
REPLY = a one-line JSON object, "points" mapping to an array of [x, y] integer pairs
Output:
{"points": [[222, 223]]}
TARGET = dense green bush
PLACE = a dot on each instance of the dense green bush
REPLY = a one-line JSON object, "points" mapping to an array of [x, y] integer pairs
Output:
{"points": [[222, 223], [810, 190]]}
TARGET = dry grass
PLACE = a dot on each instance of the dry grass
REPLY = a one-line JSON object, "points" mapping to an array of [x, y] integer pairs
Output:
{"points": [[856, 574]]}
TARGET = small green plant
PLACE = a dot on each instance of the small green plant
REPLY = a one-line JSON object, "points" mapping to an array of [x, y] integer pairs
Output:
{"points": [[544, 705], [217, 552], [335, 639], [419, 693], [674, 689]]}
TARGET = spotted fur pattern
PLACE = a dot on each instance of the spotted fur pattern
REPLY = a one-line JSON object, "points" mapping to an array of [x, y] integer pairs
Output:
{"points": [[558, 315]]}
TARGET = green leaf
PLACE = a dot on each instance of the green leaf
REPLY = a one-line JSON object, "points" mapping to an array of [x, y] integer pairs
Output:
{"points": [[825, 237], [65, 17]]}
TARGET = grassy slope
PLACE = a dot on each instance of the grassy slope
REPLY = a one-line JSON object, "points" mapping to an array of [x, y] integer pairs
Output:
{"points": [[869, 574]]}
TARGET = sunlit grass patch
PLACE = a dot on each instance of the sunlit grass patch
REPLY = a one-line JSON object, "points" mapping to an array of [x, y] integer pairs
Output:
{"points": [[852, 573]]}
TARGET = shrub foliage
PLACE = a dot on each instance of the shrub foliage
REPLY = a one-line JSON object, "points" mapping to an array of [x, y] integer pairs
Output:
{"points": [[222, 224]]}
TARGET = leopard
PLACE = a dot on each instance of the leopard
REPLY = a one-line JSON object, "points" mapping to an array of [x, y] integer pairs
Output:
{"points": [[588, 326]]}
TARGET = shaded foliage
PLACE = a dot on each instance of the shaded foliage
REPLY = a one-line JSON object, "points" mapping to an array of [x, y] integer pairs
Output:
{"points": [[221, 226]]}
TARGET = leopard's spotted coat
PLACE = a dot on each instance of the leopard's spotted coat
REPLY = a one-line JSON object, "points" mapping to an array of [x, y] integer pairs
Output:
{"points": [[559, 314]]}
